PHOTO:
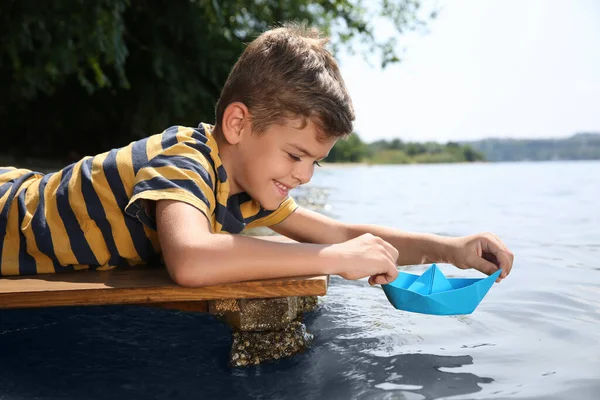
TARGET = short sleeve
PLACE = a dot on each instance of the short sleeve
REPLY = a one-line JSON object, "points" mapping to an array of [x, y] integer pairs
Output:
{"points": [[183, 172], [270, 218]]}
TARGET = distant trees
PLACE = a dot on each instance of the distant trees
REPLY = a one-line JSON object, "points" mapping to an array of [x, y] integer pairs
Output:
{"points": [[352, 149], [395, 151], [581, 146]]}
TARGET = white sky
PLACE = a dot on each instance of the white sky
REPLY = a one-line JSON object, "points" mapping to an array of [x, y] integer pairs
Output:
{"points": [[487, 68]]}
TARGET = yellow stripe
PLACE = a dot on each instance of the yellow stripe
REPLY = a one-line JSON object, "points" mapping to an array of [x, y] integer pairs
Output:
{"points": [[176, 195], [125, 168], [114, 214], [186, 151], [43, 263], [249, 209], [58, 232], [170, 173], [153, 146], [222, 188], [93, 234], [285, 209], [10, 252], [214, 150], [14, 174], [183, 134]]}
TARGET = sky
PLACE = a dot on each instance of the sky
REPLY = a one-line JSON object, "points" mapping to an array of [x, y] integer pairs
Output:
{"points": [[486, 68]]}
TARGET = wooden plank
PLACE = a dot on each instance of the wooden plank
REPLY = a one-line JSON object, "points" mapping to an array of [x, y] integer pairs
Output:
{"points": [[141, 285]]}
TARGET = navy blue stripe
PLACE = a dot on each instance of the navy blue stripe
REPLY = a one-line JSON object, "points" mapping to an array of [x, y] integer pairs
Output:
{"points": [[182, 162], [160, 183], [221, 173], [139, 156], [243, 197], [220, 212], [4, 213], [199, 134], [199, 147], [169, 137], [79, 245], [142, 244], [202, 148], [41, 232], [262, 213], [97, 213], [228, 220], [233, 207], [4, 188], [26, 261]]}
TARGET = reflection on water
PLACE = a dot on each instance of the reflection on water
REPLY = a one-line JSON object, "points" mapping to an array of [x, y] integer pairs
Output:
{"points": [[535, 335]]}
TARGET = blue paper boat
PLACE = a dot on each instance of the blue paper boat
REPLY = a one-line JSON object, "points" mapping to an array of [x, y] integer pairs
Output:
{"points": [[433, 293]]}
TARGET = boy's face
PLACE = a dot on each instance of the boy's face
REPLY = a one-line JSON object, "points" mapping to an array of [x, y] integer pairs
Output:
{"points": [[272, 163]]}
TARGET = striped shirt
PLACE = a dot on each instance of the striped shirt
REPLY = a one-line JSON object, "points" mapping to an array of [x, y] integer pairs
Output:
{"points": [[91, 214]]}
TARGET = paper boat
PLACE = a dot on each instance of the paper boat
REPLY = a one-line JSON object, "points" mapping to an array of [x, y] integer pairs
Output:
{"points": [[433, 293]]}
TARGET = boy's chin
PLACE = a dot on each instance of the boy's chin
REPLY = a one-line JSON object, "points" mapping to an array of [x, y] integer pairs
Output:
{"points": [[269, 205]]}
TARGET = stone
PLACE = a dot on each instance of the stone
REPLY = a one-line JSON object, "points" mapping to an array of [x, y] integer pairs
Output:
{"points": [[265, 329], [253, 348]]}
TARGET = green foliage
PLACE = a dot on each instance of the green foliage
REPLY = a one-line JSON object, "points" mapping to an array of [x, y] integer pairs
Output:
{"points": [[396, 151], [350, 149], [45, 45], [582, 146], [389, 156], [83, 76]]}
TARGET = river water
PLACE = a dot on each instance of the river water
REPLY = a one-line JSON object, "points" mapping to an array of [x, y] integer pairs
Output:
{"points": [[536, 335]]}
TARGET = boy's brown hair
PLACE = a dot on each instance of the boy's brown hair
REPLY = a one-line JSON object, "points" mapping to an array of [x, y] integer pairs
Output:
{"points": [[288, 73]]}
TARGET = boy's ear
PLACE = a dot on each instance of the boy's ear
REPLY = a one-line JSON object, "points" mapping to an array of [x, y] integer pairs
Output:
{"points": [[235, 122]]}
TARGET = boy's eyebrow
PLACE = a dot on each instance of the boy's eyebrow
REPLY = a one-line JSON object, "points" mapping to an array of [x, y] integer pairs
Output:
{"points": [[303, 150]]}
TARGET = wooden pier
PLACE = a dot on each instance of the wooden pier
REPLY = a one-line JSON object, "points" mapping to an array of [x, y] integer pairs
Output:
{"points": [[255, 310]]}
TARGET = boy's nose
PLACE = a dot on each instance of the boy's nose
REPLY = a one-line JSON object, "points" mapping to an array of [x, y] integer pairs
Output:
{"points": [[303, 174]]}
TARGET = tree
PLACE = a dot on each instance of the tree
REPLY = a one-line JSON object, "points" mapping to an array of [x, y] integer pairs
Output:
{"points": [[351, 149], [82, 77]]}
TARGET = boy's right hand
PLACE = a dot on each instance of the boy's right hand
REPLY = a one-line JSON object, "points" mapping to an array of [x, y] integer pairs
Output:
{"points": [[366, 255]]}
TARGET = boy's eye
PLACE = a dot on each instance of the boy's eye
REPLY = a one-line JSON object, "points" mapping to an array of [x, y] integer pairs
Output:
{"points": [[293, 157], [298, 158]]}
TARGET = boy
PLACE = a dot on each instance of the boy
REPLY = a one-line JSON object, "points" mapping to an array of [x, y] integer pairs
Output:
{"points": [[281, 111]]}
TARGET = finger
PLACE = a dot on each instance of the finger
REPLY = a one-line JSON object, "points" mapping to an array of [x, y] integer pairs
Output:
{"points": [[391, 250], [381, 279], [502, 254], [509, 254], [481, 264], [392, 274]]}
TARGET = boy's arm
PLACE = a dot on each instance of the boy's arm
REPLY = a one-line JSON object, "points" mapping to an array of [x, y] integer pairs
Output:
{"points": [[196, 257], [484, 252]]}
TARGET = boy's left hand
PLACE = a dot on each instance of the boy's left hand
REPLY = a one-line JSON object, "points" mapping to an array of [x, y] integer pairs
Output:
{"points": [[484, 252]]}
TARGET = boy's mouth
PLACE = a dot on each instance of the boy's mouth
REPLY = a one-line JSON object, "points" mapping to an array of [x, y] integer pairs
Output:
{"points": [[281, 188]]}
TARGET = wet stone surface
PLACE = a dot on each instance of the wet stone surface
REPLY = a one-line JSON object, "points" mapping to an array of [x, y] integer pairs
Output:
{"points": [[265, 329], [252, 348]]}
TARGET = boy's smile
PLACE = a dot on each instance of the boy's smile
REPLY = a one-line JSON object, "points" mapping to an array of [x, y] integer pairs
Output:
{"points": [[283, 190], [268, 165]]}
